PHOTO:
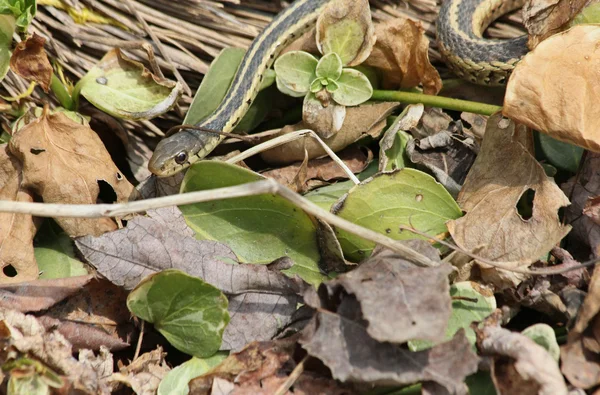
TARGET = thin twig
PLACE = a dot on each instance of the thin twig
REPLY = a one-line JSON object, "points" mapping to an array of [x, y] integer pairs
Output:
{"points": [[267, 186], [139, 342], [298, 370], [286, 138]]}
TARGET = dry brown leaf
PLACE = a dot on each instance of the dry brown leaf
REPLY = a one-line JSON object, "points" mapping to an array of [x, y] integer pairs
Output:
{"points": [[401, 52], [493, 227], [555, 88], [144, 374], [364, 120], [29, 60], [544, 18], [40, 294], [322, 169], [520, 365], [343, 13], [324, 120], [65, 162], [16, 230]]}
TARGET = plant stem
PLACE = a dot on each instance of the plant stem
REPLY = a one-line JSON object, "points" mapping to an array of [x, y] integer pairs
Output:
{"points": [[446, 103], [61, 93]]}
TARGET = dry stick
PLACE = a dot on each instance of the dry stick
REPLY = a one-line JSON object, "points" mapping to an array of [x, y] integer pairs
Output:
{"points": [[298, 370], [159, 45], [500, 265], [286, 138], [139, 342], [267, 186]]}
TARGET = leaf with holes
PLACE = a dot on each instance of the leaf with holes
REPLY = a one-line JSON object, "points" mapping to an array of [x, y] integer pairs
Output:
{"points": [[390, 201], [259, 229], [65, 162], [501, 176], [190, 313], [126, 89]]}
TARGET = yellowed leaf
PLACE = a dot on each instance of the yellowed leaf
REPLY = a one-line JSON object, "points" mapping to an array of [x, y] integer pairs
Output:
{"points": [[492, 227], [544, 18], [555, 88], [364, 120], [65, 162], [401, 52], [16, 230], [29, 60]]}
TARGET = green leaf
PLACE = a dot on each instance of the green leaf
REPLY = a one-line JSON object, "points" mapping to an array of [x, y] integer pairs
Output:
{"points": [[345, 38], [259, 229], [544, 335], [464, 312], [332, 86], [590, 14], [329, 66], [7, 28], [354, 88], [176, 381], [257, 112], [125, 89], [214, 85], [396, 154], [481, 383], [54, 253], [316, 85], [188, 312], [21, 11], [564, 156], [295, 71], [406, 197]]}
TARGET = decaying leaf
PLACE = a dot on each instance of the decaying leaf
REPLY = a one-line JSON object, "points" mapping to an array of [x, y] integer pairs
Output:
{"points": [[144, 374], [262, 368], [66, 162], [389, 292], [17, 259], [554, 89], [29, 60], [25, 335], [401, 53], [345, 27], [164, 241], [124, 88], [503, 172], [327, 120], [362, 121], [39, 295], [520, 365], [544, 18], [324, 169], [581, 355]]}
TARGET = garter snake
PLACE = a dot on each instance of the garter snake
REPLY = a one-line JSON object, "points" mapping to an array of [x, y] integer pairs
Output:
{"points": [[459, 28]]}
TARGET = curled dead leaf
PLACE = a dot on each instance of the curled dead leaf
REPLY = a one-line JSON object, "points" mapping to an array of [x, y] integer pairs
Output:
{"points": [[492, 228], [29, 60], [17, 259], [555, 88], [65, 162], [401, 52], [544, 18], [364, 120]]}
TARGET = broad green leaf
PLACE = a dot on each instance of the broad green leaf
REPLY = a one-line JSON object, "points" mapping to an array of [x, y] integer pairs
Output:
{"points": [[257, 112], [268, 79], [464, 312], [214, 85], [590, 14], [176, 381], [125, 89], [329, 66], [564, 156], [481, 383], [259, 229], [7, 28], [295, 70], [188, 312], [283, 88], [344, 38], [54, 253], [544, 335], [326, 196], [406, 197], [396, 154], [354, 88]]}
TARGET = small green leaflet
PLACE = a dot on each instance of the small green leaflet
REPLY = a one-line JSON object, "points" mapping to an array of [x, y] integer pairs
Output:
{"points": [[176, 381]]}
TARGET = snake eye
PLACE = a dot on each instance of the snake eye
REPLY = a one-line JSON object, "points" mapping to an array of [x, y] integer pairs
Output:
{"points": [[181, 158]]}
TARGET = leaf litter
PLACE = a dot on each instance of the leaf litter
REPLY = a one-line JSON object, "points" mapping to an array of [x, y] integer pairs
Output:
{"points": [[269, 298]]}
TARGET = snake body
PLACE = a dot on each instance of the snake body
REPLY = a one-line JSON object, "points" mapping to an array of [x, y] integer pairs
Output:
{"points": [[459, 28]]}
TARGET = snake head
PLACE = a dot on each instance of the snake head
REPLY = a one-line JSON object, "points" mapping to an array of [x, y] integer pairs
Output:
{"points": [[174, 153]]}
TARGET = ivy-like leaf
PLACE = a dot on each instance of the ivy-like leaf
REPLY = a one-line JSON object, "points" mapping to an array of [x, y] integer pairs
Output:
{"points": [[354, 88], [295, 72]]}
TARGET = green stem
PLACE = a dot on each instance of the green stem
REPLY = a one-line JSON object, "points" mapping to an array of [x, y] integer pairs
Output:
{"points": [[446, 103], [61, 93]]}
